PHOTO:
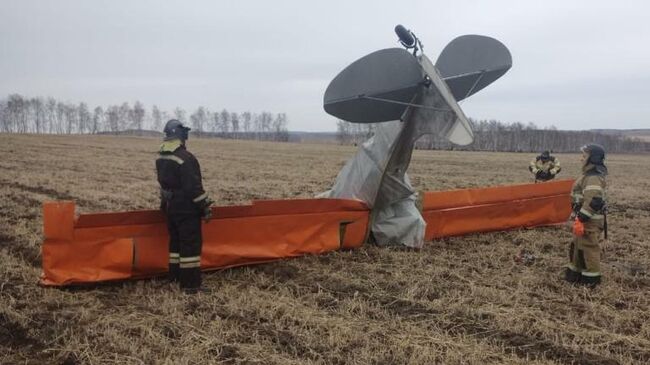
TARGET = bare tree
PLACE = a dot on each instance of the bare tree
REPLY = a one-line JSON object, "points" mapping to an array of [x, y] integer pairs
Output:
{"points": [[156, 115], [280, 132], [39, 114], [113, 118], [85, 118], [98, 120], [216, 122], [4, 117], [234, 119], [265, 120], [124, 116], [166, 116], [16, 114], [343, 132], [179, 113], [199, 119], [246, 119], [50, 108], [60, 117], [72, 118], [224, 118], [137, 115]]}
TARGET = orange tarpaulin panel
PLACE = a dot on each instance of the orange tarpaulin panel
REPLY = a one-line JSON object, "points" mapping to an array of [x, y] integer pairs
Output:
{"points": [[496, 194], [86, 261], [113, 246], [457, 212], [127, 245]]}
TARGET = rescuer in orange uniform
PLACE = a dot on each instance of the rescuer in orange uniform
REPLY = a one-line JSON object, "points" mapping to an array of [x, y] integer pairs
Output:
{"points": [[544, 167], [590, 218]]}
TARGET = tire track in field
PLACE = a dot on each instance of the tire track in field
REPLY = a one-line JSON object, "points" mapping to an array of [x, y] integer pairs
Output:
{"points": [[521, 344], [18, 249], [460, 323], [13, 336], [15, 245], [10, 216], [52, 193]]}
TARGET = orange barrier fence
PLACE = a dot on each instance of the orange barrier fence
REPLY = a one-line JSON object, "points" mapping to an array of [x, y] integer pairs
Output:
{"points": [[125, 245], [458, 212], [128, 245]]}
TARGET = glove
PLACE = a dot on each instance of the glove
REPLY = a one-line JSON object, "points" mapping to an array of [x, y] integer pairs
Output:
{"points": [[206, 211], [575, 207], [578, 228], [207, 214], [541, 175], [582, 217], [165, 197]]}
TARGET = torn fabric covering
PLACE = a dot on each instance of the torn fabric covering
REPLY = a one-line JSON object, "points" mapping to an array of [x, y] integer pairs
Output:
{"points": [[392, 84], [360, 177], [377, 176]]}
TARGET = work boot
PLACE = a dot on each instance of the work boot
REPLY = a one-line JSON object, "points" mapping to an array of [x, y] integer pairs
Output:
{"points": [[590, 281], [571, 276]]}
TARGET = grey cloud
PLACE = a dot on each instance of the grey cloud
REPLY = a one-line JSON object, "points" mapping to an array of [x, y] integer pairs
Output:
{"points": [[577, 64]]}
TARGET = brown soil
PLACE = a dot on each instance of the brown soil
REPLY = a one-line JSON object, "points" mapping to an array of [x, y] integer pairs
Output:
{"points": [[461, 300]]}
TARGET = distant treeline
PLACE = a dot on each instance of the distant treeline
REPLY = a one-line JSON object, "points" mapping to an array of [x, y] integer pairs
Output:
{"points": [[19, 114], [494, 135]]}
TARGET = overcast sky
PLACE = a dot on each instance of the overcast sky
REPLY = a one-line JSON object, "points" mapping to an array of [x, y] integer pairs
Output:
{"points": [[576, 64]]}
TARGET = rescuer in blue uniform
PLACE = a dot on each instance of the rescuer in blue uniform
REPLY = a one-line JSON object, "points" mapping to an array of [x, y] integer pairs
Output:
{"points": [[185, 203]]}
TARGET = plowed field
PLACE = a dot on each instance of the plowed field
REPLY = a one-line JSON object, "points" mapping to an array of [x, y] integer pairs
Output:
{"points": [[461, 300]]}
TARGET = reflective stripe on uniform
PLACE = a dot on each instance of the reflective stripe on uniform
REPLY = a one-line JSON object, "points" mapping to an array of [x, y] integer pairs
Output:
{"points": [[572, 267], [170, 146], [191, 259], [190, 265], [174, 158], [591, 215], [591, 274], [174, 258], [586, 212], [190, 262], [200, 197], [592, 187]]}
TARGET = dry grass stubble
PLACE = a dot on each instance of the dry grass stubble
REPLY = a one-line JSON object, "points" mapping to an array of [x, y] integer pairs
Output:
{"points": [[458, 300]]}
